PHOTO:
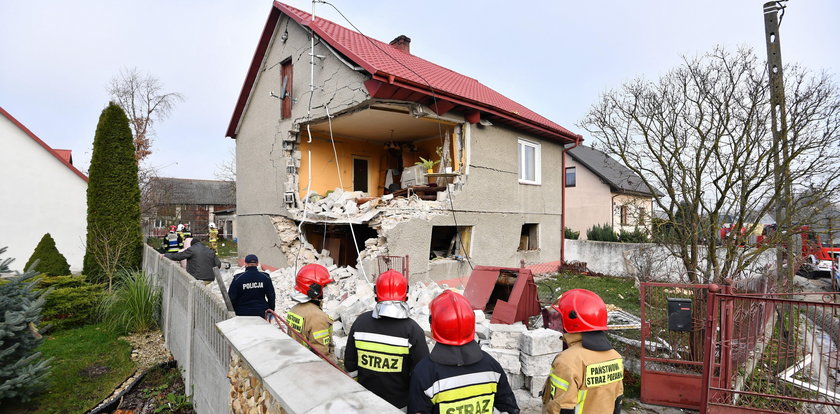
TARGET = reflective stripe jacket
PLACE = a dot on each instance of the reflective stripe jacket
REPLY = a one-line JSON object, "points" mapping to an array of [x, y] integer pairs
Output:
{"points": [[478, 385], [384, 352], [583, 381], [213, 235], [173, 242], [309, 320]]}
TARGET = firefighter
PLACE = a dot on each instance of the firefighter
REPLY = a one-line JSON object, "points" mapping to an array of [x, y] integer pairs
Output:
{"points": [[172, 241], [181, 234], [306, 317], [458, 377], [587, 376], [213, 237], [384, 344]]}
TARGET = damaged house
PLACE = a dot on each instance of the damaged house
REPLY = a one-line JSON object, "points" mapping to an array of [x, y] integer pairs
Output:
{"points": [[327, 144]]}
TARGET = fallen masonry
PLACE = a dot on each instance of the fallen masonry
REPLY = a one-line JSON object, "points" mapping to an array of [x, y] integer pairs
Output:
{"points": [[525, 354]]}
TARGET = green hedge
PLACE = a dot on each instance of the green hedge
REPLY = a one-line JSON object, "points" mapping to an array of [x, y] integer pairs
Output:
{"points": [[73, 301], [570, 234], [635, 236], [602, 232]]}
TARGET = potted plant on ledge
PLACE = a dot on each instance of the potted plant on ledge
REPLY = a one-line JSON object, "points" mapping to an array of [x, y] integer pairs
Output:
{"points": [[429, 165]]}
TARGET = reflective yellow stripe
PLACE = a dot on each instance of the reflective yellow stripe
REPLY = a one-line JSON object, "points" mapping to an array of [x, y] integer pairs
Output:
{"points": [[464, 392], [373, 346], [321, 334], [581, 400], [559, 382]]}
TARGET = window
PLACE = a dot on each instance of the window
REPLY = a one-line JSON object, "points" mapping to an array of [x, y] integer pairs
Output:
{"points": [[529, 162], [529, 238], [450, 241], [624, 216], [286, 89], [571, 177], [642, 216]]}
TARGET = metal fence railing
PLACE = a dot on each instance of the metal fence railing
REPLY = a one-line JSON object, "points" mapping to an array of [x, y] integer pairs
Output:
{"points": [[778, 351]]}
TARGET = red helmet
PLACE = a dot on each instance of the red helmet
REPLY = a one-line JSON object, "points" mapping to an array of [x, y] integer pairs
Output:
{"points": [[453, 320], [391, 285], [582, 310], [172, 228], [311, 280]]}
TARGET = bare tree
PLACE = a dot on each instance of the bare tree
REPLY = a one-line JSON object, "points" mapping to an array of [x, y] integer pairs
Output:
{"points": [[226, 171], [142, 98], [700, 139]]}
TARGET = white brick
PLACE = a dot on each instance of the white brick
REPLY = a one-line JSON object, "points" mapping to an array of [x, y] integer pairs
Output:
{"points": [[505, 340], [479, 316], [340, 345], [482, 330], [517, 381], [533, 365], [540, 342], [503, 327], [507, 358], [535, 384]]}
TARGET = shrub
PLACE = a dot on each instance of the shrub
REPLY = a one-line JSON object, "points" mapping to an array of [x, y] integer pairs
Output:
{"points": [[635, 236], [73, 301], [603, 232], [22, 371], [570, 234], [134, 304], [50, 260], [114, 239]]}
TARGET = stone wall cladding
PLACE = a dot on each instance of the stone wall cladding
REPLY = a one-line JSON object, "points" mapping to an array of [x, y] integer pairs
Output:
{"points": [[247, 392]]}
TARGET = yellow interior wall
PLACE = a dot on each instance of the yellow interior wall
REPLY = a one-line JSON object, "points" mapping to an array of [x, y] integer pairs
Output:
{"points": [[324, 175], [426, 149]]}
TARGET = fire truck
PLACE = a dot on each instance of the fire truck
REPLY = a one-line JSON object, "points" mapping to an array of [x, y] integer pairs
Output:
{"points": [[818, 252]]}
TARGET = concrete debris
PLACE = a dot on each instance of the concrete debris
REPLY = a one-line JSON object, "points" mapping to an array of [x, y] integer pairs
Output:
{"points": [[508, 359], [526, 402], [536, 365], [540, 342], [535, 384]]}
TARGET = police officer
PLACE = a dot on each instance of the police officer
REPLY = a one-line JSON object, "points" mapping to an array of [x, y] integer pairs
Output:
{"points": [[458, 377], [587, 376], [306, 317], [251, 292], [384, 344], [172, 241]]}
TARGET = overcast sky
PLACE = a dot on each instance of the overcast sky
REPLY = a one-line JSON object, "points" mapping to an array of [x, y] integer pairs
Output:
{"points": [[555, 57]]}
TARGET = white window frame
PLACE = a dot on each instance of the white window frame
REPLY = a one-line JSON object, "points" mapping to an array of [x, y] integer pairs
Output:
{"points": [[537, 161]]}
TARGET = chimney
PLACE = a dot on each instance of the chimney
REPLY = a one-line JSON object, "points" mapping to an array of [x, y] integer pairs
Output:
{"points": [[403, 43]]}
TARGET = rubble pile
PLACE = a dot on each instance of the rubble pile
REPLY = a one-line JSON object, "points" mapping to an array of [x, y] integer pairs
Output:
{"points": [[524, 354]]}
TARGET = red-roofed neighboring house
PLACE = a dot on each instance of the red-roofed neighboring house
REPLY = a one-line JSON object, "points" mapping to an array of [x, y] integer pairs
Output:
{"points": [[43, 193], [372, 111]]}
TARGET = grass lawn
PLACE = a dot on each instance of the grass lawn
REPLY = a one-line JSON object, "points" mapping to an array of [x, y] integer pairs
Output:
{"points": [[614, 290], [89, 363], [227, 248]]}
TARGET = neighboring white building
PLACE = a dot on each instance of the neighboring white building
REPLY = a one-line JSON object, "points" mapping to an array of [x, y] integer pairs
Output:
{"points": [[42, 192]]}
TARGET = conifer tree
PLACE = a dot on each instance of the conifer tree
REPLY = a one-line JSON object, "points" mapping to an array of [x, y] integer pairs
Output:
{"points": [[51, 261], [113, 196], [22, 370]]}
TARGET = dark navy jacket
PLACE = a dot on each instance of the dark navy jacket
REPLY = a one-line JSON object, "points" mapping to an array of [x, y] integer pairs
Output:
{"points": [[251, 292], [460, 379], [383, 352]]}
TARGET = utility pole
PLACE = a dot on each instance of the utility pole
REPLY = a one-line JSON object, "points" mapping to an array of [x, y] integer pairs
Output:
{"points": [[773, 13]]}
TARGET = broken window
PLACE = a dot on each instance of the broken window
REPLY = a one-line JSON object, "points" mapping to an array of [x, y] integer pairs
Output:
{"points": [[338, 240], [286, 88], [450, 241], [529, 162], [529, 238], [571, 177]]}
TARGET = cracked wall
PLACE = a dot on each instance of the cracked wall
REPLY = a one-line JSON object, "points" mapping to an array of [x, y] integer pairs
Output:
{"points": [[265, 143]]}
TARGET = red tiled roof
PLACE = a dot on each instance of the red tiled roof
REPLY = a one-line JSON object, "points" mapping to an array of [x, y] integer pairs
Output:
{"points": [[55, 153], [390, 66], [66, 155]]}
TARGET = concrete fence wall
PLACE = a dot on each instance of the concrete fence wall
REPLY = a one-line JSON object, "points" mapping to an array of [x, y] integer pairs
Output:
{"points": [[244, 362], [636, 259]]}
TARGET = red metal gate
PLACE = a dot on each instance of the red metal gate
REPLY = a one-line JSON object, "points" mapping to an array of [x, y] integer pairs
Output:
{"points": [[778, 351], [672, 360]]}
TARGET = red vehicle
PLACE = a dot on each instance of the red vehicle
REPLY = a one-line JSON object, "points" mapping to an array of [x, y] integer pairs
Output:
{"points": [[819, 256]]}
